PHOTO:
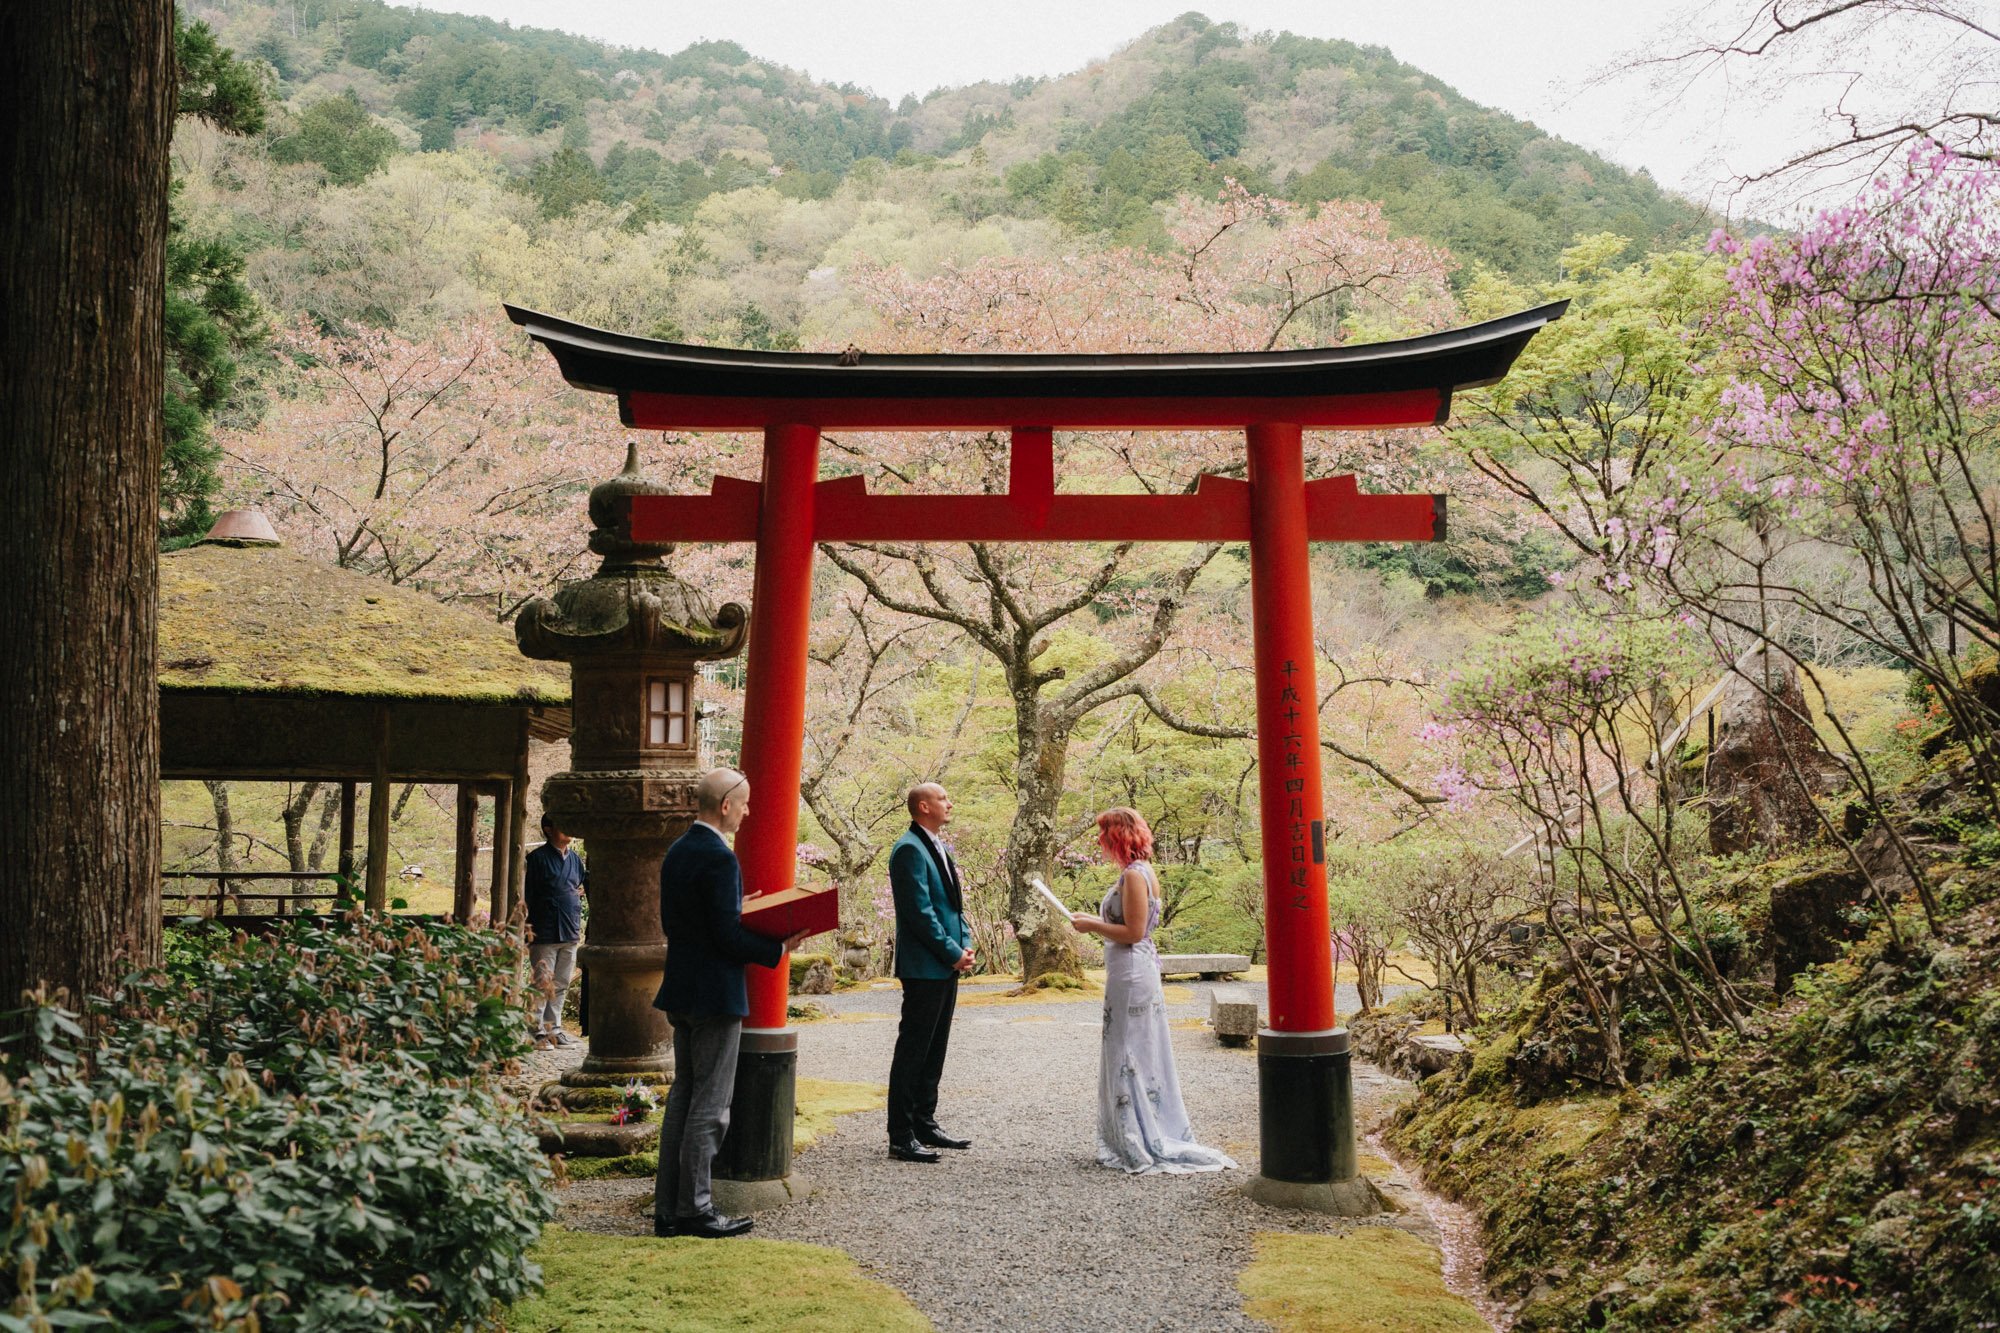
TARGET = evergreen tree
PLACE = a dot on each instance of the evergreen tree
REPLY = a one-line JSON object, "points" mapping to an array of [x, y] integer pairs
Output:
{"points": [[211, 317], [338, 134]]}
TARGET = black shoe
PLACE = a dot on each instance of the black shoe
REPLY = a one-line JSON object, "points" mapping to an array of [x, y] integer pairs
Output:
{"points": [[664, 1227], [711, 1226], [937, 1138], [909, 1150]]}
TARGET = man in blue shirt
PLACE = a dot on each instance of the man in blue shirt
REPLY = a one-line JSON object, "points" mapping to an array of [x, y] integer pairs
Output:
{"points": [[556, 884]]}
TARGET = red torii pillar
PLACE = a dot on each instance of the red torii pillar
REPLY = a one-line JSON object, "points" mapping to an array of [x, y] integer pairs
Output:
{"points": [[1305, 1095]]}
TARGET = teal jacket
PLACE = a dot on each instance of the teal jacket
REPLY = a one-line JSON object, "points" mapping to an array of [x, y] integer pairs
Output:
{"points": [[930, 915]]}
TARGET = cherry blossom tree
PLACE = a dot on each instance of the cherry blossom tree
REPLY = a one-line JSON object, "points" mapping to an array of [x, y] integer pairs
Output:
{"points": [[458, 463], [1244, 272]]}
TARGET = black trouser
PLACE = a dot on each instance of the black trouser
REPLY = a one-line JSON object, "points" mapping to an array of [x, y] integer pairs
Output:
{"points": [[919, 1058]]}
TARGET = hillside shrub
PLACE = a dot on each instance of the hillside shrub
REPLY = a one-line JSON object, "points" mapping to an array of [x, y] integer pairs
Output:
{"points": [[292, 1133]]}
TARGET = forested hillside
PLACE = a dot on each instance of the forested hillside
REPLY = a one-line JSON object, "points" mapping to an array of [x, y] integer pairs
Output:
{"points": [[1096, 151]]}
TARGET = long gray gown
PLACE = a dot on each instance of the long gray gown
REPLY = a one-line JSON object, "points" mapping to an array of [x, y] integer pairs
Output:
{"points": [[1141, 1125]]}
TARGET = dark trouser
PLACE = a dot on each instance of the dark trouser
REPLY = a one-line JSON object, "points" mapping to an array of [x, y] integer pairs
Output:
{"points": [[919, 1060], [697, 1112]]}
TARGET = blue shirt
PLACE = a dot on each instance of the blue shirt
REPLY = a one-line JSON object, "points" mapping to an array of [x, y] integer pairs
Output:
{"points": [[555, 898]]}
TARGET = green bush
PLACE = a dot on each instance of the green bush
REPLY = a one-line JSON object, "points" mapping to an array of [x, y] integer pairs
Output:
{"points": [[367, 988], [297, 1133]]}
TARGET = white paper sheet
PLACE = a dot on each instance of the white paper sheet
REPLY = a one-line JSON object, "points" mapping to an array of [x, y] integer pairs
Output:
{"points": [[1035, 882]]}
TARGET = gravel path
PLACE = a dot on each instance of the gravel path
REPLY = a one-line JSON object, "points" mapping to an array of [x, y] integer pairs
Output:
{"points": [[1025, 1230]]}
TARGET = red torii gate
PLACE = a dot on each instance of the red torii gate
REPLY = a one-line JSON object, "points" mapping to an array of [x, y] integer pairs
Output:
{"points": [[1305, 1122]]}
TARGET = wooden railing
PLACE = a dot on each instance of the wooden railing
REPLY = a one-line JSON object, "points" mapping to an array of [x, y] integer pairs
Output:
{"points": [[224, 887]]}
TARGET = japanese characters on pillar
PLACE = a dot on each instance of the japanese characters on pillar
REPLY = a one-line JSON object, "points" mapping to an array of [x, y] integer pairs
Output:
{"points": [[1296, 815], [1290, 799]]}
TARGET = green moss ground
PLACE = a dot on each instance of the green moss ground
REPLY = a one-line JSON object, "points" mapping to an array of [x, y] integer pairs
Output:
{"points": [[625, 1284], [822, 1101], [1368, 1280]]}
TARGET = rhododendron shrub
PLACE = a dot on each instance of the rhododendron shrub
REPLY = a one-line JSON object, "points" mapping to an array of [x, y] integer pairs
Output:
{"points": [[1559, 717], [1850, 503]]}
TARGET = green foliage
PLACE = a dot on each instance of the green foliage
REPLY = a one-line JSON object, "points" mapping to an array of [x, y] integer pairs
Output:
{"points": [[339, 134], [1213, 103], [211, 320], [562, 182], [211, 317], [286, 1134], [213, 85], [371, 989], [1497, 191], [1597, 424], [1484, 562]]}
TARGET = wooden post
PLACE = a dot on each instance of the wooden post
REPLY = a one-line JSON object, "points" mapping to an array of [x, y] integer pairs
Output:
{"points": [[346, 862], [502, 801], [517, 828], [378, 818], [468, 852]]}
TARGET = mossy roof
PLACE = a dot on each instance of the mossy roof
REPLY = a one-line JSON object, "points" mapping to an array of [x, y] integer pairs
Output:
{"points": [[265, 620]]}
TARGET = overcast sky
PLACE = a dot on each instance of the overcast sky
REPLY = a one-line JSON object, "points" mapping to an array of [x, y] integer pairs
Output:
{"points": [[1533, 58]]}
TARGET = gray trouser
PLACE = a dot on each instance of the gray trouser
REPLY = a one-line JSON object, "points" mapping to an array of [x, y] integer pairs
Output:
{"points": [[697, 1113], [560, 960]]}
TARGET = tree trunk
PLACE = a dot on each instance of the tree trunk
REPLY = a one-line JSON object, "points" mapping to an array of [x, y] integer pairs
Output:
{"points": [[329, 806], [1048, 945], [225, 826], [82, 381], [294, 814]]}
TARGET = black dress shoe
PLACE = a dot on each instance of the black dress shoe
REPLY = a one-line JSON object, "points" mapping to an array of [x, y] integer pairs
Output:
{"points": [[937, 1138], [711, 1226], [911, 1151], [664, 1227]]}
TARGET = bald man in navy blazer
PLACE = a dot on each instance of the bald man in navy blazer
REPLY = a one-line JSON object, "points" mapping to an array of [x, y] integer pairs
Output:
{"points": [[705, 998]]}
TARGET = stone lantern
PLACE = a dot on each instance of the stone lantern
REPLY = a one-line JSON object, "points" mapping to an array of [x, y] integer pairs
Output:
{"points": [[634, 636]]}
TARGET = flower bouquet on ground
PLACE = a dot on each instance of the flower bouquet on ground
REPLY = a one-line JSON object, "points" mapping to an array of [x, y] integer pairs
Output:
{"points": [[637, 1105]]}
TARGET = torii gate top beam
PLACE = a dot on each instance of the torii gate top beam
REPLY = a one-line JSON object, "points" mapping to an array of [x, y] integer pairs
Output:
{"points": [[676, 386]]}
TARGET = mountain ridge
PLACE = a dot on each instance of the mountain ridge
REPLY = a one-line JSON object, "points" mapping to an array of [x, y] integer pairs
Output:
{"points": [[1181, 107]]}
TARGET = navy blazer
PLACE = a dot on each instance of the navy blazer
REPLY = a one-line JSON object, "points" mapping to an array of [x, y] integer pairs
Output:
{"points": [[701, 910]]}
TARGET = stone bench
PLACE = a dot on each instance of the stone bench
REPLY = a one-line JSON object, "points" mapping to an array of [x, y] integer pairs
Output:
{"points": [[1232, 1012], [1207, 966]]}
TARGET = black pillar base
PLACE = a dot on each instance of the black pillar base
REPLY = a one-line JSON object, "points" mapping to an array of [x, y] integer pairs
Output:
{"points": [[754, 1169], [1305, 1106], [1305, 1126]]}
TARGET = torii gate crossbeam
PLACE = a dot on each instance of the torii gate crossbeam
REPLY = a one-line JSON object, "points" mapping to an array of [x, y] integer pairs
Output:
{"points": [[1306, 1125]]}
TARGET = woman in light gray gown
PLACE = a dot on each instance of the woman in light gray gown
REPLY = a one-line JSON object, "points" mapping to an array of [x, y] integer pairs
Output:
{"points": [[1141, 1125]]}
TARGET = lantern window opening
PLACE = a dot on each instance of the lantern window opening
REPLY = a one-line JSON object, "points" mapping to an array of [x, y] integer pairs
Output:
{"points": [[666, 713]]}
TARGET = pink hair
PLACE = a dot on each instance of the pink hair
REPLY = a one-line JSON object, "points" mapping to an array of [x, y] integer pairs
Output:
{"points": [[1123, 835]]}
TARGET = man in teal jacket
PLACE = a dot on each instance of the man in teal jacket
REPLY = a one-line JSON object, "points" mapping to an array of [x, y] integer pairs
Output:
{"points": [[933, 950]]}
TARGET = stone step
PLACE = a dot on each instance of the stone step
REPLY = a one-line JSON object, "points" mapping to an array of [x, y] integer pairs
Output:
{"points": [[595, 1138]]}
